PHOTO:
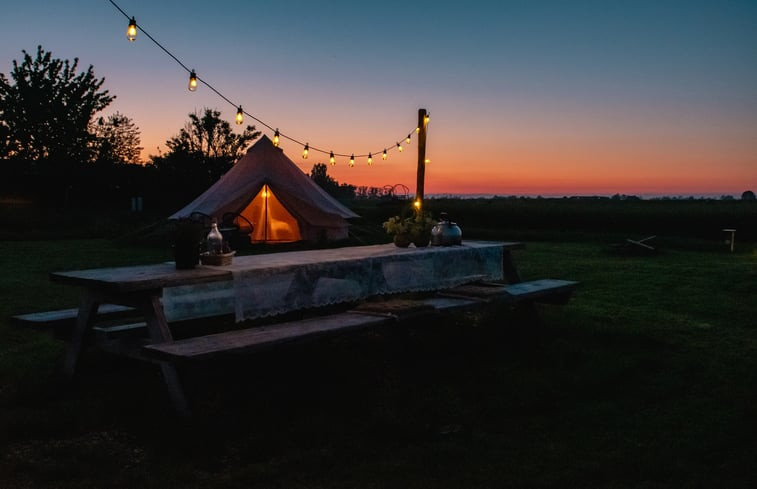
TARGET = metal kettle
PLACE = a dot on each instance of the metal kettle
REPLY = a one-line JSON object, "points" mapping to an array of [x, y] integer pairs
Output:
{"points": [[446, 232]]}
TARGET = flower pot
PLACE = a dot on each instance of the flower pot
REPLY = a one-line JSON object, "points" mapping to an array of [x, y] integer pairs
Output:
{"points": [[402, 240], [422, 240]]}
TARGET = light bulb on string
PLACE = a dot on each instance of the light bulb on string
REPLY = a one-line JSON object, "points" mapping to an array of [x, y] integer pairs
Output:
{"points": [[192, 81], [352, 160], [131, 34], [305, 151], [131, 31]]}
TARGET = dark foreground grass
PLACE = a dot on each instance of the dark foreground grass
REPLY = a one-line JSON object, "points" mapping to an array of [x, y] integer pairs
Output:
{"points": [[647, 378]]}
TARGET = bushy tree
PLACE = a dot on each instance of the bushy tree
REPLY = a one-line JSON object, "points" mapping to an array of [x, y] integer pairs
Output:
{"points": [[748, 195], [46, 108], [319, 174], [210, 137], [116, 141], [205, 149]]}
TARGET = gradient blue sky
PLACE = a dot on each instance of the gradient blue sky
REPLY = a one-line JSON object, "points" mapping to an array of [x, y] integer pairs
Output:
{"points": [[526, 97]]}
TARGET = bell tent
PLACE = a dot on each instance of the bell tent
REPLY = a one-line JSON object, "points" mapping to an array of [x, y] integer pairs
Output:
{"points": [[281, 202]]}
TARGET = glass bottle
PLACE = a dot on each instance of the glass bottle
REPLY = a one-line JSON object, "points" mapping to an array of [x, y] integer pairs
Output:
{"points": [[214, 240]]}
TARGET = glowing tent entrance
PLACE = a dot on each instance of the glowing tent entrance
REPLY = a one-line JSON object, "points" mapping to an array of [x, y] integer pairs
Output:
{"points": [[270, 219]]}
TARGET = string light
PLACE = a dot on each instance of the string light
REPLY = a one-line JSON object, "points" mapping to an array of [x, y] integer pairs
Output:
{"points": [[427, 161], [305, 151], [131, 35], [417, 130], [352, 160], [407, 140], [131, 31], [427, 118], [370, 159], [192, 81]]}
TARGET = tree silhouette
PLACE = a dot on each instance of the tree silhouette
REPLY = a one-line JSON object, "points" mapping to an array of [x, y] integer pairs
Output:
{"points": [[748, 195], [201, 153], [319, 174], [46, 110], [116, 140]]}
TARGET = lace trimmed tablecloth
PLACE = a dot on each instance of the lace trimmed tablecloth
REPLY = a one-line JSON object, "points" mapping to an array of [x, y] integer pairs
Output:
{"points": [[269, 284]]}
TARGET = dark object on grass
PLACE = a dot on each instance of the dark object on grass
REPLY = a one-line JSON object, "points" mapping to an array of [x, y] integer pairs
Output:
{"points": [[634, 247]]}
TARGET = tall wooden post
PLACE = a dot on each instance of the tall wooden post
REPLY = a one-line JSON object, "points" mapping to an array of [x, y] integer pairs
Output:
{"points": [[422, 121]]}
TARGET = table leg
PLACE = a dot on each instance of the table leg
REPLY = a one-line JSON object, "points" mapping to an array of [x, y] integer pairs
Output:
{"points": [[157, 326], [510, 272], [512, 276], [84, 321]]}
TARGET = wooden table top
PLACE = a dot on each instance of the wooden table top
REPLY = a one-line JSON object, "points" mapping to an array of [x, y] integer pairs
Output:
{"points": [[158, 276]]}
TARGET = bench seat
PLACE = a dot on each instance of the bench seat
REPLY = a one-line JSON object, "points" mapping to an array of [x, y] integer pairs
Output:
{"points": [[368, 314], [244, 340], [67, 317], [544, 290]]}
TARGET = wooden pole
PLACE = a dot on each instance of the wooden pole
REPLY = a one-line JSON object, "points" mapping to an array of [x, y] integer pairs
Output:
{"points": [[422, 121]]}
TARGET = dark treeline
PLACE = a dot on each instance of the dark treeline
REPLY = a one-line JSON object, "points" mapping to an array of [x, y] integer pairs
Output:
{"points": [[55, 148]]}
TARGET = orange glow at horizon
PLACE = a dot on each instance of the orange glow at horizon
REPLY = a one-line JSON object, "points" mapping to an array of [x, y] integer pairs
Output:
{"points": [[561, 169]]}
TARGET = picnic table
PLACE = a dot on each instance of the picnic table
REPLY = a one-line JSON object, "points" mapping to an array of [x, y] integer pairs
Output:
{"points": [[264, 285]]}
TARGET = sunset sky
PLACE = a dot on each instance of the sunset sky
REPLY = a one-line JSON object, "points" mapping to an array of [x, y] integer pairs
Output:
{"points": [[526, 97]]}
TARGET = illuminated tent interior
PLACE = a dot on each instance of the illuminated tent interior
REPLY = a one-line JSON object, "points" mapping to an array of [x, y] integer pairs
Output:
{"points": [[280, 201]]}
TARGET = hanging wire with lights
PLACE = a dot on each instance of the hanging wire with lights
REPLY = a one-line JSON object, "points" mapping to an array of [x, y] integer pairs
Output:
{"points": [[194, 80]]}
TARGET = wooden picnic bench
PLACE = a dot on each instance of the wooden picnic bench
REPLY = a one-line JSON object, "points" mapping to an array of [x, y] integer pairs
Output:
{"points": [[450, 278], [361, 317]]}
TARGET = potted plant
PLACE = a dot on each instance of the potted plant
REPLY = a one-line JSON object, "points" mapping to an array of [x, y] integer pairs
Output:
{"points": [[398, 228], [414, 229]]}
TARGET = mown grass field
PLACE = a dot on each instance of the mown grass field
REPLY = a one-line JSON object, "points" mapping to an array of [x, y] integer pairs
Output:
{"points": [[646, 378]]}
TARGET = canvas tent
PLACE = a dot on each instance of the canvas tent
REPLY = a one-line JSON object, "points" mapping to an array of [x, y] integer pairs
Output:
{"points": [[272, 193]]}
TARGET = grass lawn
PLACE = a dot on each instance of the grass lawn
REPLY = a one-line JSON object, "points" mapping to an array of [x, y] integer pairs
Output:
{"points": [[647, 378]]}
